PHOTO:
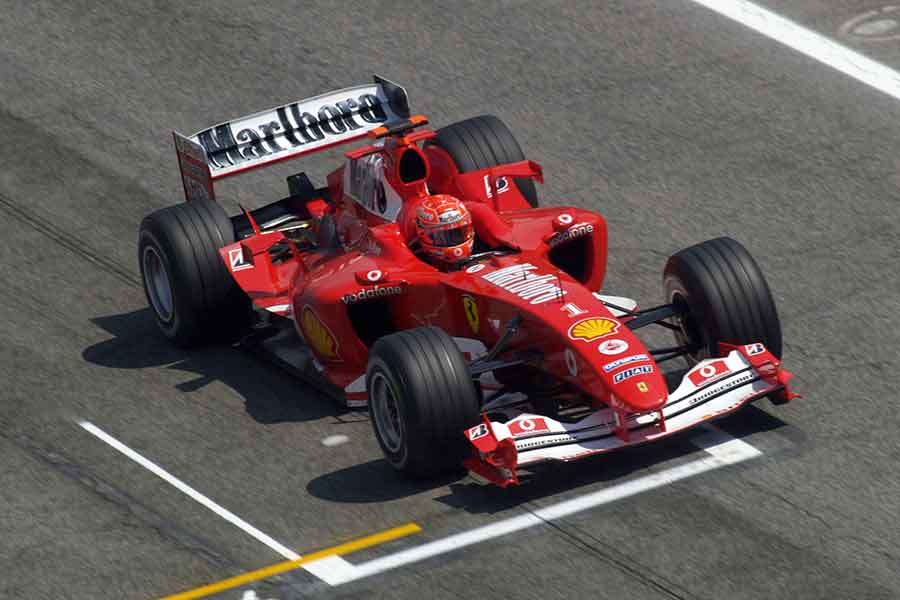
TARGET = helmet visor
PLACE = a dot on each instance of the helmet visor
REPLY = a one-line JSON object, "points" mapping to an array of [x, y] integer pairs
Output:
{"points": [[449, 237]]}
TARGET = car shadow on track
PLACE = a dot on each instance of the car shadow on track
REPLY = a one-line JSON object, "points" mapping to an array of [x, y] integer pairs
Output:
{"points": [[375, 481], [270, 395]]}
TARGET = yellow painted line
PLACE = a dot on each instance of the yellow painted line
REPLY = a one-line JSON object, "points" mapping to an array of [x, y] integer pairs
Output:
{"points": [[290, 565]]}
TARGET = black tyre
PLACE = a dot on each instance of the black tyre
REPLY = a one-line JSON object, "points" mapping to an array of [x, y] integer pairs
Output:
{"points": [[726, 297], [421, 401], [482, 142], [193, 296]]}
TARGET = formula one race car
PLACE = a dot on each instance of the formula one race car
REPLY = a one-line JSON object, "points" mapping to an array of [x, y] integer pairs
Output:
{"points": [[509, 357]]}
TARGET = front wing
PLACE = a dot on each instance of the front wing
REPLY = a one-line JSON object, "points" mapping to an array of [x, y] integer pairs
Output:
{"points": [[709, 390]]}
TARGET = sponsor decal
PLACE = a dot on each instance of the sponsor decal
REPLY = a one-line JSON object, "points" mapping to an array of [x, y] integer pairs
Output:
{"points": [[317, 334], [572, 233], [195, 174], [502, 185], [370, 293], [286, 129], [479, 431], [470, 307], [571, 363], [374, 275], [573, 310], [593, 328], [565, 219], [708, 372], [475, 268], [364, 182], [610, 367], [633, 372], [643, 387], [526, 284], [612, 347], [528, 426], [754, 349], [450, 216], [237, 261]]}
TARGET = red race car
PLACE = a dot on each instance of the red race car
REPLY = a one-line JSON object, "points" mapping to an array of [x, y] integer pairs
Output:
{"points": [[425, 281]]}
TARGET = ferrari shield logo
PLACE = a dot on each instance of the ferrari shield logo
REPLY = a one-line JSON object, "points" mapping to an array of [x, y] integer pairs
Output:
{"points": [[643, 387], [470, 307]]}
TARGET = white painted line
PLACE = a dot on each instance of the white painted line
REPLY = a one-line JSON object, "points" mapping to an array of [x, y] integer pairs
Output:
{"points": [[727, 449], [723, 450], [810, 43], [180, 485], [333, 569]]}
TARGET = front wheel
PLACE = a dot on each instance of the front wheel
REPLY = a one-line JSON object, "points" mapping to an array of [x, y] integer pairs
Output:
{"points": [[724, 297], [421, 401], [483, 142]]}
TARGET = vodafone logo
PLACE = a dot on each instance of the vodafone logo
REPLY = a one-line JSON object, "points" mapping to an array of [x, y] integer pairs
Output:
{"points": [[374, 275], [528, 426], [475, 268], [565, 219], [612, 347], [708, 372]]}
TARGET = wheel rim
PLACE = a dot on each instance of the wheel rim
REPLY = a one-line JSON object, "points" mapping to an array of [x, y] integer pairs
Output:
{"points": [[159, 288], [386, 410]]}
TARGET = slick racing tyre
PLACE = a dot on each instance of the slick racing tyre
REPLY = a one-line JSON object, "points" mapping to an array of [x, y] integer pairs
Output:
{"points": [[725, 296], [421, 401], [482, 142], [193, 296]]}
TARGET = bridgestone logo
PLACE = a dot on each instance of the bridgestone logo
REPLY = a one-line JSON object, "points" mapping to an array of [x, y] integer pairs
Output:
{"points": [[369, 294], [522, 281]]}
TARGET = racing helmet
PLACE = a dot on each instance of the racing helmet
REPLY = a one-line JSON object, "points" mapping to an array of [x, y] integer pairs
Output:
{"points": [[444, 228]]}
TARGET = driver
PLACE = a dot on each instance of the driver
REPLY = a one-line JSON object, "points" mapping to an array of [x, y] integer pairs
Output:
{"points": [[444, 229]]}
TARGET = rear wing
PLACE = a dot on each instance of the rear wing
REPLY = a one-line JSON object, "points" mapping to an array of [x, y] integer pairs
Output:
{"points": [[285, 132]]}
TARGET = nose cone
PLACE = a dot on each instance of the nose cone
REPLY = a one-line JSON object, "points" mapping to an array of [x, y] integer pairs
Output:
{"points": [[630, 373], [625, 367], [640, 387]]}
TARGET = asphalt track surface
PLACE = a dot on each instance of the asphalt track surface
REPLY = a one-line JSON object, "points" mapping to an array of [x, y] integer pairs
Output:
{"points": [[674, 122]]}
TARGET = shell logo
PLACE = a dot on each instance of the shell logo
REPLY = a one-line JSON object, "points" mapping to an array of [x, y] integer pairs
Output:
{"points": [[317, 334], [593, 328]]}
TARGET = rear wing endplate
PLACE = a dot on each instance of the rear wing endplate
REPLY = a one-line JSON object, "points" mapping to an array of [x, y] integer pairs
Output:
{"points": [[285, 132]]}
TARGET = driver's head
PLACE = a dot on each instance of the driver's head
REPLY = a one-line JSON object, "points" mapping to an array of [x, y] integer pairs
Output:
{"points": [[444, 228]]}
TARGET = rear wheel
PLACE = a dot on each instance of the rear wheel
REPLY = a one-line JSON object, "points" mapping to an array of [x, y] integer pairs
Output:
{"points": [[483, 142], [421, 401], [193, 296], [725, 297]]}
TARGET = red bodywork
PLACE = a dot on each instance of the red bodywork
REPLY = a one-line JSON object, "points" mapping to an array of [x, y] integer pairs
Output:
{"points": [[318, 287], [369, 282]]}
